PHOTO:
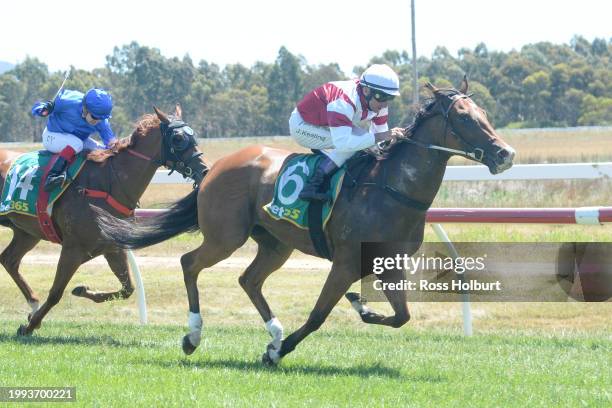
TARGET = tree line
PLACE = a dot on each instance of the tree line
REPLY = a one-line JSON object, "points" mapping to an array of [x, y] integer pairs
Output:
{"points": [[541, 85]]}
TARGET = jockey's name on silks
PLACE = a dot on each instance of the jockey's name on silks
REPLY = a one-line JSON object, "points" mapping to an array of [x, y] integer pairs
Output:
{"points": [[21, 187], [286, 205]]}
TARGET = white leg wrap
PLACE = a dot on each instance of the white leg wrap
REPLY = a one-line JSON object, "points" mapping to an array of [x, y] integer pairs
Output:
{"points": [[360, 308], [275, 328], [195, 328], [274, 355], [34, 306]]}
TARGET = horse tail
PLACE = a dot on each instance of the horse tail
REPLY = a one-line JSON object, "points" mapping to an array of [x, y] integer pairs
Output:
{"points": [[140, 232]]}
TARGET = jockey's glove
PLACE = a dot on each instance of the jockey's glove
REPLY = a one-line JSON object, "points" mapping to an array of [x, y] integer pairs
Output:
{"points": [[47, 108]]}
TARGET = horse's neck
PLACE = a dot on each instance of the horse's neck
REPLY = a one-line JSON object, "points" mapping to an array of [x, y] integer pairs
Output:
{"points": [[418, 171], [134, 174]]}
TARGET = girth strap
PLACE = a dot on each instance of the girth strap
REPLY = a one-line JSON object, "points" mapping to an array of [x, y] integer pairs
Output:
{"points": [[109, 199], [42, 202], [381, 182]]}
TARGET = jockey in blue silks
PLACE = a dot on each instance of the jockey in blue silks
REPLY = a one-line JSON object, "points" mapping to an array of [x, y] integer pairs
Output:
{"points": [[73, 118]]}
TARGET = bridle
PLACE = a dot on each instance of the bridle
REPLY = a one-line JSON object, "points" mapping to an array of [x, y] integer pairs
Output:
{"points": [[177, 137], [476, 153]]}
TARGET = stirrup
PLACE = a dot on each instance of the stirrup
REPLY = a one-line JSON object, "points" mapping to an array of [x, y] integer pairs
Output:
{"points": [[54, 181]]}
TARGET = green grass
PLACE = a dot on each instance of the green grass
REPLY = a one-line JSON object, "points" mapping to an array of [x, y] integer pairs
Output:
{"points": [[125, 365]]}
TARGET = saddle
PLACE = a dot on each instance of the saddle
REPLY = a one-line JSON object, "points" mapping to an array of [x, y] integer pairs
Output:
{"points": [[23, 192]]}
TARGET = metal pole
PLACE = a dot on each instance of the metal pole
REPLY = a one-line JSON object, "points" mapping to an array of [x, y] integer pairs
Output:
{"points": [[415, 79]]}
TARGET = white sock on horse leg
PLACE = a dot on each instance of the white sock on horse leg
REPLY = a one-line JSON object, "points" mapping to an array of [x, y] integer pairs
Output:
{"points": [[359, 307], [195, 328], [275, 328], [34, 306]]}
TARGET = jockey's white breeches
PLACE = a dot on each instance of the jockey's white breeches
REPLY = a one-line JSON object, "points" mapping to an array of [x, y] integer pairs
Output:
{"points": [[317, 137], [55, 142]]}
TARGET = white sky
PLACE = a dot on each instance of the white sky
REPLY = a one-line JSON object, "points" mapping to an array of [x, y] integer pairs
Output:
{"points": [[81, 33]]}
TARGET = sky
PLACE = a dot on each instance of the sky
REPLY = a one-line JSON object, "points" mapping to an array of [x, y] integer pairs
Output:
{"points": [[62, 33]]}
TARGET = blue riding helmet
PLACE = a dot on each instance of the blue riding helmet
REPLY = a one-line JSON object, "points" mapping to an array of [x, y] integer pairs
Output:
{"points": [[99, 103]]}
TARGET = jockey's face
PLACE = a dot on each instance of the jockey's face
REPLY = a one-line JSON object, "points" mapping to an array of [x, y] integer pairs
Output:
{"points": [[90, 119], [374, 105]]}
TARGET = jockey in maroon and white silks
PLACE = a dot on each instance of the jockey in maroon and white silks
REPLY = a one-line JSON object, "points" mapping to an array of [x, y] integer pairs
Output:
{"points": [[342, 117]]}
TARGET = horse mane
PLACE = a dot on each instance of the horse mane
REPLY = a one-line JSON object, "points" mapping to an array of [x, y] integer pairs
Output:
{"points": [[426, 109], [142, 127]]}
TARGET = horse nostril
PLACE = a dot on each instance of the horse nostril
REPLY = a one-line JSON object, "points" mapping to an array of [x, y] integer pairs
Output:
{"points": [[505, 154]]}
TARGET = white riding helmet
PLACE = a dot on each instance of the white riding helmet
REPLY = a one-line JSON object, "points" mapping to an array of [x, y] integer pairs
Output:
{"points": [[382, 78]]}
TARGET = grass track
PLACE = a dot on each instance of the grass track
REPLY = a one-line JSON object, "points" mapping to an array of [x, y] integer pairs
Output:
{"points": [[124, 365]]}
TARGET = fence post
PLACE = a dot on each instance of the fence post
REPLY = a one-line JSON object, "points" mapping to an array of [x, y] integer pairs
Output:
{"points": [[465, 297], [142, 300]]}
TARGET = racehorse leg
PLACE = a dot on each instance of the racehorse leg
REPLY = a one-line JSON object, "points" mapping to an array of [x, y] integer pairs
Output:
{"points": [[117, 260], [69, 261], [397, 299], [337, 283], [271, 255], [205, 256], [11, 257]]}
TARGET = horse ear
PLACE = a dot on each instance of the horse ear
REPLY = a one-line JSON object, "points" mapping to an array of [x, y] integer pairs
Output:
{"points": [[432, 88], [178, 111], [161, 115], [463, 88]]}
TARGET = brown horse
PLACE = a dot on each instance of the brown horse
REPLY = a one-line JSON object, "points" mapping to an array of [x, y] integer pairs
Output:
{"points": [[124, 174], [388, 203]]}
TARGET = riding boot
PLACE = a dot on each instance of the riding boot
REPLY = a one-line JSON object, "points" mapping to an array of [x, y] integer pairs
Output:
{"points": [[311, 192], [57, 175]]}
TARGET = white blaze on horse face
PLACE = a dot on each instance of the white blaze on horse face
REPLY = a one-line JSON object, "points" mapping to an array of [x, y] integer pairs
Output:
{"points": [[275, 328], [195, 328], [474, 111]]}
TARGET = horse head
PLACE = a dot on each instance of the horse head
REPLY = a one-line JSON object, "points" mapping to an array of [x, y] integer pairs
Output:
{"points": [[170, 142], [466, 129]]}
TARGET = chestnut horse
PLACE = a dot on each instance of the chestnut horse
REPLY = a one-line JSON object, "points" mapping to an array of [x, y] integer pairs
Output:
{"points": [[389, 203], [124, 174]]}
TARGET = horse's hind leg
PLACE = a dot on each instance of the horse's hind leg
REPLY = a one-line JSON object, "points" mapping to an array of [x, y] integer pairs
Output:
{"points": [[117, 260], [397, 299], [271, 255], [11, 257], [205, 256], [69, 262]]}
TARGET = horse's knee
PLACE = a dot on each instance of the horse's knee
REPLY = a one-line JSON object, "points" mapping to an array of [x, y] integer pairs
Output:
{"points": [[243, 281], [9, 264], [249, 285], [400, 320]]}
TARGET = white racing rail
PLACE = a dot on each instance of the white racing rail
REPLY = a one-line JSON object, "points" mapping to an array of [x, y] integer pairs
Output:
{"points": [[436, 216]]}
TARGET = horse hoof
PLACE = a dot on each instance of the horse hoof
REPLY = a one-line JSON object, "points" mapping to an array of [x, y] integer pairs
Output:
{"points": [[270, 357], [267, 360], [188, 348], [22, 331], [80, 290]]}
